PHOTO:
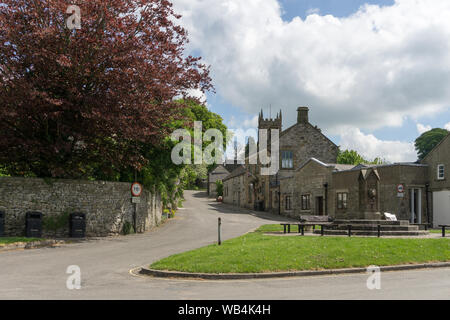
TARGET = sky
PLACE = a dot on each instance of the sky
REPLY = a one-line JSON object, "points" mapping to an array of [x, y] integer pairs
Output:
{"points": [[375, 74]]}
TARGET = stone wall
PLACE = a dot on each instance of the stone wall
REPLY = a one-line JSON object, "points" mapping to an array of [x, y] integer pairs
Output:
{"points": [[107, 205]]}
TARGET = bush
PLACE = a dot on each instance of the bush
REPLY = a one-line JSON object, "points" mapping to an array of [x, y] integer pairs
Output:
{"points": [[219, 188], [127, 228]]}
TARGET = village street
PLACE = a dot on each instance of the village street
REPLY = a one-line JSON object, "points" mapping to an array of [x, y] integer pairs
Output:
{"points": [[106, 263]]}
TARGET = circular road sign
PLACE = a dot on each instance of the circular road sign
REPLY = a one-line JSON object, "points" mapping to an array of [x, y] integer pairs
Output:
{"points": [[136, 189], [400, 188]]}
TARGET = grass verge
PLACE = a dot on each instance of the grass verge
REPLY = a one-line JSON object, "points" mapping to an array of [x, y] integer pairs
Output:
{"points": [[10, 240], [256, 253]]}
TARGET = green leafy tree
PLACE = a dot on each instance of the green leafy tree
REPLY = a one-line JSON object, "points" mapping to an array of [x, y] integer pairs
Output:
{"points": [[354, 158], [428, 140], [160, 172], [350, 157], [219, 188]]}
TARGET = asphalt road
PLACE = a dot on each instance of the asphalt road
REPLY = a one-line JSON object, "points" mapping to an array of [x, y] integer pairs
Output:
{"points": [[105, 267]]}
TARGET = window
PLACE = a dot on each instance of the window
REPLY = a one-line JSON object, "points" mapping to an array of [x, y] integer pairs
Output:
{"points": [[342, 200], [287, 160], [306, 203], [440, 172], [288, 203]]}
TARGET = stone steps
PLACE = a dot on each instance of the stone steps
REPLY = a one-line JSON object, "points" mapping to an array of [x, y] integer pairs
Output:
{"points": [[376, 222], [370, 228], [374, 227], [329, 232]]}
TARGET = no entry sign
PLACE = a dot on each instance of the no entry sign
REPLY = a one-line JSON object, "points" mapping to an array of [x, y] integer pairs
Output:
{"points": [[136, 189]]}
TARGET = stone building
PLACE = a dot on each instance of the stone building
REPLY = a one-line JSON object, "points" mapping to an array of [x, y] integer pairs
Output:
{"points": [[358, 192], [438, 193], [309, 182], [297, 144], [235, 188], [219, 173]]}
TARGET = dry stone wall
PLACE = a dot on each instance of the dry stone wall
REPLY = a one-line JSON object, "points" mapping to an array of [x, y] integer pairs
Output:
{"points": [[107, 205]]}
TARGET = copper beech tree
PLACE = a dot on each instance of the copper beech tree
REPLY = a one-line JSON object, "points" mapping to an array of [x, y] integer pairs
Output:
{"points": [[78, 100]]}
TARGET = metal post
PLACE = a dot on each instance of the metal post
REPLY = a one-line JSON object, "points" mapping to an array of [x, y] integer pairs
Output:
{"points": [[321, 229], [349, 230], [135, 218], [443, 231], [379, 230], [219, 231], [303, 230]]}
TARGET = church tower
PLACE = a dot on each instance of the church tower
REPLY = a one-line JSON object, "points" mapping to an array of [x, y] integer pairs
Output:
{"points": [[269, 124]]}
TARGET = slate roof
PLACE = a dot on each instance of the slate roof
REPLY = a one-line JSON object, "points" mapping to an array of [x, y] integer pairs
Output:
{"points": [[236, 172]]}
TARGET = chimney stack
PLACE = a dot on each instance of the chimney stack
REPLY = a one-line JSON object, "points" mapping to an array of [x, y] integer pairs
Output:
{"points": [[302, 115]]}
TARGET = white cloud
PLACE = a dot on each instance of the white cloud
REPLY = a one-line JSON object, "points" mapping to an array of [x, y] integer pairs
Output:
{"points": [[312, 11], [251, 123], [447, 126], [247, 123], [370, 147], [422, 128], [369, 70]]}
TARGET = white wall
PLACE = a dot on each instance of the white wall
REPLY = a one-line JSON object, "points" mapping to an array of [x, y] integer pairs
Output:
{"points": [[441, 208]]}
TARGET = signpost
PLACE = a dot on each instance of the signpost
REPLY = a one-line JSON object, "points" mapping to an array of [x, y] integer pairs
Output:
{"points": [[400, 191], [136, 191]]}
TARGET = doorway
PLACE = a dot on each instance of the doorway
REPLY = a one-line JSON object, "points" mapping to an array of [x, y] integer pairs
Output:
{"points": [[319, 206], [416, 205]]}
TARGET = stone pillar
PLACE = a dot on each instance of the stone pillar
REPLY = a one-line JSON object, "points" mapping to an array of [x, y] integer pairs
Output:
{"points": [[419, 205], [412, 205]]}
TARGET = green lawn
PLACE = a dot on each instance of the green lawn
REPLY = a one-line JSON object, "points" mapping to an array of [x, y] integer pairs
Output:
{"points": [[16, 239], [439, 231], [256, 252]]}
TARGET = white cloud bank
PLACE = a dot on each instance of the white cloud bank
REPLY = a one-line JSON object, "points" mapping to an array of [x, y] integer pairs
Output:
{"points": [[369, 70], [370, 147], [447, 126], [422, 128]]}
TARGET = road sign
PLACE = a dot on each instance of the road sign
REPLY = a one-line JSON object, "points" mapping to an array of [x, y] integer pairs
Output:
{"points": [[136, 189], [135, 200], [400, 188]]}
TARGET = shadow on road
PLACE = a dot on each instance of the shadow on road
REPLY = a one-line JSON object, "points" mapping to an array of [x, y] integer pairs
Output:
{"points": [[228, 209]]}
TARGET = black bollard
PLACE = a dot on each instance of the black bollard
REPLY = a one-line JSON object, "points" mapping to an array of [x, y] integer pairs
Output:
{"points": [[219, 231]]}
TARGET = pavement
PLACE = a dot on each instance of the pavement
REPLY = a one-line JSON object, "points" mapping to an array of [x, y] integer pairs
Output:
{"points": [[105, 266]]}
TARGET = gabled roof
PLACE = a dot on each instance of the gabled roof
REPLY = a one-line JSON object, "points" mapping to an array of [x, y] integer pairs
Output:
{"points": [[335, 166], [220, 169], [365, 173], [437, 146], [323, 164], [239, 171], [308, 124]]}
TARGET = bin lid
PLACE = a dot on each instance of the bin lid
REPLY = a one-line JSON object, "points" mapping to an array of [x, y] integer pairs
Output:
{"points": [[78, 215], [34, 214]]}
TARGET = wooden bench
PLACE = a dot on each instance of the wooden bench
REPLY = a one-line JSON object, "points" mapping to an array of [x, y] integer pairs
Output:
{"points": [[444, 226], [308, 220]]}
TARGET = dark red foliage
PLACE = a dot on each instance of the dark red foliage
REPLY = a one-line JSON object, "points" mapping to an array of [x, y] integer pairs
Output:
{"points": [[76, 102]]}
